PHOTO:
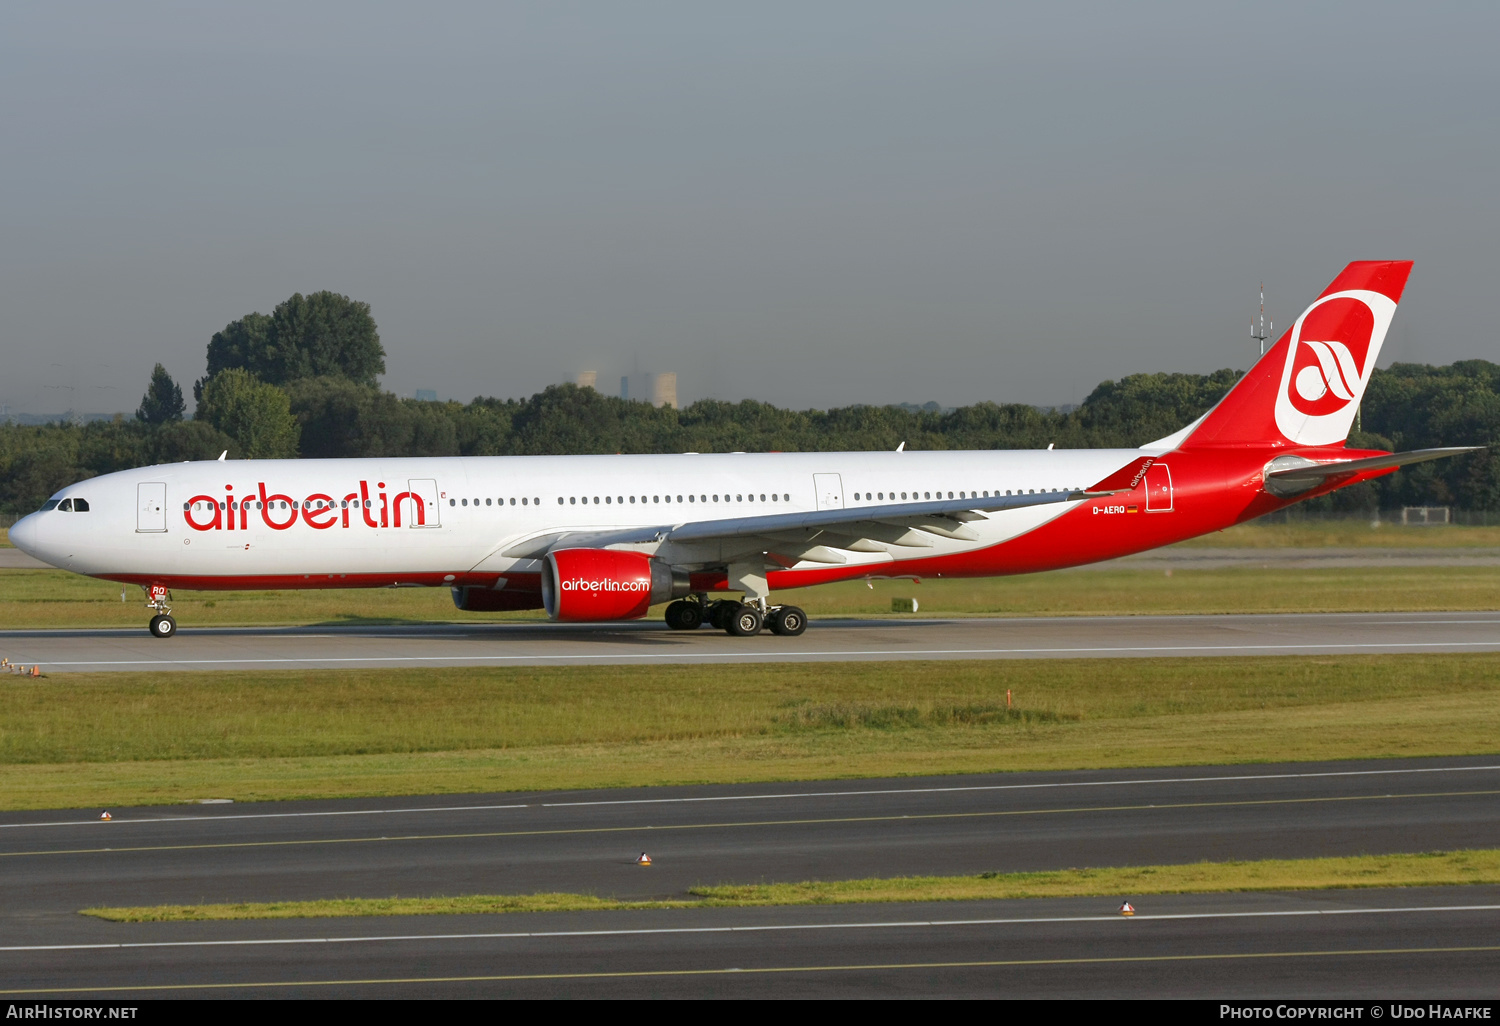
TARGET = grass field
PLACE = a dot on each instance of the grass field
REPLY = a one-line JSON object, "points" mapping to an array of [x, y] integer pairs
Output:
{"points": [[54, 598], [119, 739], [1424, 870]]}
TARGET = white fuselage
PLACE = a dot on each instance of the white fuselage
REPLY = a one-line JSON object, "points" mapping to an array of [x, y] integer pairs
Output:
{"points": [[480, 508]]}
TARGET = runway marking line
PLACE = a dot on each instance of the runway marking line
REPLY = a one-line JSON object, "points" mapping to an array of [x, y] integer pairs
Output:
{"points": [[767, 970], [745, 824], [754, 928], [861, 655], [116, 823]]}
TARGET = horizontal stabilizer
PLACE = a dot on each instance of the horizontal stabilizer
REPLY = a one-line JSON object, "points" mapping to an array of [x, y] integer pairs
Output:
{"points": [[1292, 475]]}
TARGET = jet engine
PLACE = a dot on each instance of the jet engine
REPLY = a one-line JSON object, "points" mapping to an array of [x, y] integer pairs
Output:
{"points": [[605, 584]]}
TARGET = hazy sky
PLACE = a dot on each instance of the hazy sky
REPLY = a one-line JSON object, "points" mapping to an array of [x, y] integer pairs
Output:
{"points": [[809, 203]]}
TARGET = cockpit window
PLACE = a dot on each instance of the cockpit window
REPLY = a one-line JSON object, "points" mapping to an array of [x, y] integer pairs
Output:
{"points": [[66, 506], [49, 504], [80, 505]]}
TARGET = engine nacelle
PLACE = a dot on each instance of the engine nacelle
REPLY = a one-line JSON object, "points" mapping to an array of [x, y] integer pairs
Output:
{"points": [[605, 584], [488, 600]]}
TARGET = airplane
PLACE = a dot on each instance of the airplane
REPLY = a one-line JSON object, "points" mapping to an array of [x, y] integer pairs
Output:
{"points": [[605, 538]]}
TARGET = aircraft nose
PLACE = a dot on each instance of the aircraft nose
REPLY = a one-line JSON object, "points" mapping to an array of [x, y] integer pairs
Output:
{"points": [[23, 534]]}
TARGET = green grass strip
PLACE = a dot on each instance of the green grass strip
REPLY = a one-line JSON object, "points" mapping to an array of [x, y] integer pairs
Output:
{"points": [[1424, 870]]}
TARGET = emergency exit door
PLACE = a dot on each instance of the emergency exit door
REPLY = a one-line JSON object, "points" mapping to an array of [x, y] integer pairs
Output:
{"points": [[151, 507], [829, 489]]}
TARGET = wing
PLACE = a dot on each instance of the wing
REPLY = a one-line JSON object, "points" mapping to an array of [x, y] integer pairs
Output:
{"points": [[866, 528]]}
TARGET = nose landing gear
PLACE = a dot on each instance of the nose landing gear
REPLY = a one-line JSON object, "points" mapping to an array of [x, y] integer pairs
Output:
{"points": [[160, 599]]}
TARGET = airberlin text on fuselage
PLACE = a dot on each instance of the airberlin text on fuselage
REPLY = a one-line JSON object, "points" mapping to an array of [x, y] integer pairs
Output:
{"points": [[319, 510]]}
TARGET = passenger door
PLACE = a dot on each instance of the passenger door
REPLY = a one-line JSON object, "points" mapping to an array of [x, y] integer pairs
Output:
{"points": [[1158, 489], [424, 491], [829, 489], [151, 507]]}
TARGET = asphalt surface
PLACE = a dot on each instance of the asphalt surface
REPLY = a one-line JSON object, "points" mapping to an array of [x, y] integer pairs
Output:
{"points": [[1417, 942], [826, 640]]}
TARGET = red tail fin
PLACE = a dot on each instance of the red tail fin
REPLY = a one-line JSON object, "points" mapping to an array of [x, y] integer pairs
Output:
{"points": [[1305, 391]]}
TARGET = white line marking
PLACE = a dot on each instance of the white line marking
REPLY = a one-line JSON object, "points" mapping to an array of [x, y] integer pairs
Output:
{"points": [[865, 654], [765, 928], [764, 797]]}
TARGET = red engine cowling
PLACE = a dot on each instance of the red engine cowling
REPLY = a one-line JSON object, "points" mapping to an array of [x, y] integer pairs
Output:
{"points": [[604, 584]]}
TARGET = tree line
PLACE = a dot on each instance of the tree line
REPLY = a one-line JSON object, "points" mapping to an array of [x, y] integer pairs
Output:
{"points": [[302, 381]]}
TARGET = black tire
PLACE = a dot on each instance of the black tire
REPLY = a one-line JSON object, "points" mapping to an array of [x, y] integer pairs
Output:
{"points": [[718, 614], [690, 617], [744, 622], [787, 621], [163, 626], [673, 615]]}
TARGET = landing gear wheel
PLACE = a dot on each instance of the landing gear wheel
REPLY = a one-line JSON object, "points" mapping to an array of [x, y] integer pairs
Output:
{"points": [[684, 616], [163, 626], [744, 622], [718, 614], [787, 621]]}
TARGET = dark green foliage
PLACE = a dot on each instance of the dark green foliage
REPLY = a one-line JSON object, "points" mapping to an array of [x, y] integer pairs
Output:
{"points": [[322, 334], [162, 402], [256, 415]]}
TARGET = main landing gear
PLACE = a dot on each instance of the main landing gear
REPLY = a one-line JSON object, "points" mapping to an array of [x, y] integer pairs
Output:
{"points": [[740, 619]]}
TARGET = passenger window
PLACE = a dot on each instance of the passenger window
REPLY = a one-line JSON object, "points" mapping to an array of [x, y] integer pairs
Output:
{"points": [[607, 501], [487, 501], [690, 498], [632, 500], [573, 501], [453, 502], [656, 498]]}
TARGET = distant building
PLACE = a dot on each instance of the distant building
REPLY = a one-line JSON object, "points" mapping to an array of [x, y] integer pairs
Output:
{"points": [[426, 395], [624, 386], [664, 389], [587, 379]]}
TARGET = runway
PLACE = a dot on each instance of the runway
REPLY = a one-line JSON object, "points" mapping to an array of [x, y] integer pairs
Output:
{"points": [[828, 640], [1416, 942]]}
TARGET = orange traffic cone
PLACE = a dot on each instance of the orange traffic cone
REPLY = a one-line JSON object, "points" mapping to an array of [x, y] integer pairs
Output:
{"points": [[644, 860], [1127, 909], [36, 671], [105, 816]]}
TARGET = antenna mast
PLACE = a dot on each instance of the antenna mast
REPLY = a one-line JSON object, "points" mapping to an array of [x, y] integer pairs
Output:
{"points": [[1260, 335]]}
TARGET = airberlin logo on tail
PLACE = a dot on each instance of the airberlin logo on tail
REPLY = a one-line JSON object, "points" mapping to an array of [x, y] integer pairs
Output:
{"points": [[1334, 346]]}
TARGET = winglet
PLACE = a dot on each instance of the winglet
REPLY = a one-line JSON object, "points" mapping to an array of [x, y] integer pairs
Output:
{"points": [[222, 455]]}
